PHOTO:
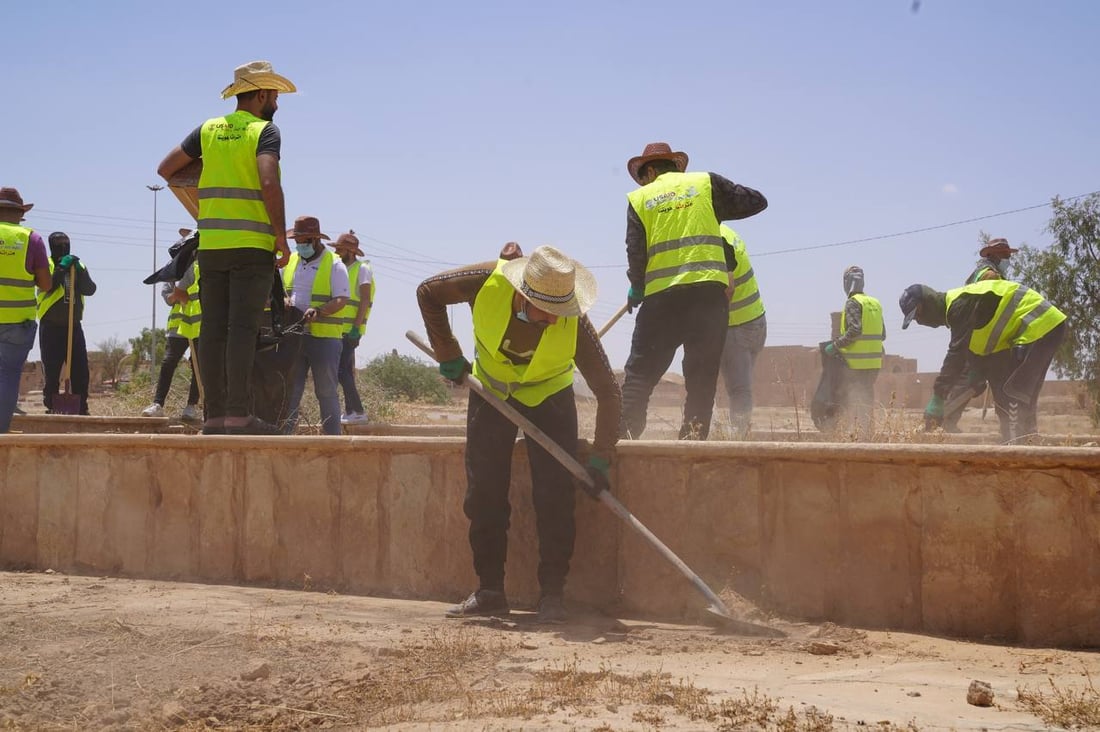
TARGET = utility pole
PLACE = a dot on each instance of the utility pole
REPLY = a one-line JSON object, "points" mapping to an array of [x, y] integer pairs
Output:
{"points": [[153, 331]]}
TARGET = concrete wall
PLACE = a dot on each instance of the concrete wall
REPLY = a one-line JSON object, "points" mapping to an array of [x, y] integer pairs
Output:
{"points": [[986, 542]]}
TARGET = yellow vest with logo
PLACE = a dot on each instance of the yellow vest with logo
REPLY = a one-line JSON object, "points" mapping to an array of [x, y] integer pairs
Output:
{"points": [[17, 299], [346, 315], [323, 326], [232, 214], [190, 325], [1023, 316], [551, 366], [47, 299], [865, 352], [683, 241], [745, 305]]}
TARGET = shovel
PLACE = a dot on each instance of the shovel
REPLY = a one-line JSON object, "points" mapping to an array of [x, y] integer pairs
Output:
{"points": [[67, 402], [717, 608]]}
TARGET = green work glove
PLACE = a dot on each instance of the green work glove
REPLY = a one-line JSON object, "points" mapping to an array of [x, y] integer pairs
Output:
{"points": [[934, 410], [830, 350], [599, 471], [67, 261], [633, 299], [355, 333], [455, 370]]}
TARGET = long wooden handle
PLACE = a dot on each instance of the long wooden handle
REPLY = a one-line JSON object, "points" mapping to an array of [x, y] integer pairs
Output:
{"points": [[578, 471], [69, 346], [614, 319]]}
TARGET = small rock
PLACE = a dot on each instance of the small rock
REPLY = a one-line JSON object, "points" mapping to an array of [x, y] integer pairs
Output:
{"points": [[600, 640], [260, 671], [754, 652], [913, 693], [172, 711], [49, 571], [824, 648], [527, 645], [980, 694]]}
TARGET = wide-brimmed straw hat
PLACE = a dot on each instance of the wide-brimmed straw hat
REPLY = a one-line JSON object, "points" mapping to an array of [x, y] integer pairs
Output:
{"points": [[10, 198], [552, 282], [997, 246], [656, 151], [306, 227], [257, 75], [348, 241]]}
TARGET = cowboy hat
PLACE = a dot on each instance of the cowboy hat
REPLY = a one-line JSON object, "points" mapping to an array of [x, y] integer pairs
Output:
{"points": [[552, 282], [257, 75], [306, 227], [997, 246], [10, 198], [349, 241], [656, 151]]}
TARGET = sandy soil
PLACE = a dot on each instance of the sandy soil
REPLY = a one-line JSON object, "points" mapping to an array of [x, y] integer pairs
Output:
{"points": [[105, 653]]}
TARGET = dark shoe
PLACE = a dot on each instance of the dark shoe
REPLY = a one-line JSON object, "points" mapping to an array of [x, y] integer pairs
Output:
{"points": [[215, 426], [482, 602], [552, 609], [254, 426]]}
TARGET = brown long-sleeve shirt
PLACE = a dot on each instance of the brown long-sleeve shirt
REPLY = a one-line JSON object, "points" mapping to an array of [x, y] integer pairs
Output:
{"points": [[520, 340]]}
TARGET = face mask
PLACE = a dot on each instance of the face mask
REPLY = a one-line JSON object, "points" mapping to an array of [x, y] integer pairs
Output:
{"points": [[305, 251], [522, 317], [1002, 267]]}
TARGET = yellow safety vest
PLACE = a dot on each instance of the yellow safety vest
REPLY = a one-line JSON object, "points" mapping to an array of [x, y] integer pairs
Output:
{"points": [[551, 366], [865, 352], [323, 326], [17, 301], [47, 299], [232, 214], [1023, 316], [175, 314], [745, 305], [190, 325], [683, 241], [346, 315]]}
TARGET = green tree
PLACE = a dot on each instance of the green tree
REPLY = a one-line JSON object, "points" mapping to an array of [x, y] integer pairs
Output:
{"points": [[141, 346], [1068, 274], [114, 351], [405, 377]]}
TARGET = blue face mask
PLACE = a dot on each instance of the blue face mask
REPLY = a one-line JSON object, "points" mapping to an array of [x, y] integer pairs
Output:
{"points": [[305, 251], [522, 317]]}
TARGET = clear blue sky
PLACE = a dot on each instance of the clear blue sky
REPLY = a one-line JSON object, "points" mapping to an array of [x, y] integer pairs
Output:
{"points": [[441, 130]]}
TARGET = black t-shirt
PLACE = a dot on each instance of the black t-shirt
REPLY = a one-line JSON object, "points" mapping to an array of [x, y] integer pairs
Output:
{"points": [[270, 142]]}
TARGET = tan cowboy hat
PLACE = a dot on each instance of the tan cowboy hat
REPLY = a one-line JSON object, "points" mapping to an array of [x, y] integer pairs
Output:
{"points": [[552, 282], [306, 227], [348, 241], [997, 246], [257, 75], [656, 151], [10, 198]]}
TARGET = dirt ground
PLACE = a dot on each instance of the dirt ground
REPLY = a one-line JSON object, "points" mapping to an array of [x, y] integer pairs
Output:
{"points": [[81, 653]]}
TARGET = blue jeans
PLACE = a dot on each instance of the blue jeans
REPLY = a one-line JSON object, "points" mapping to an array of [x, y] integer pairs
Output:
{"points": [[743, 344], [322, 357], [16, 340]]}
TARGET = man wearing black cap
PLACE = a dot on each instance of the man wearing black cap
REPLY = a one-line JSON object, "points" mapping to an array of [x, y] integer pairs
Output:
{"points": [[53, 316], [23, 266], [1001, 332]]}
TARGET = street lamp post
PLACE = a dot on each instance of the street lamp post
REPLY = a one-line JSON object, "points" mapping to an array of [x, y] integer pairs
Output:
{"points": [[153, 331]]}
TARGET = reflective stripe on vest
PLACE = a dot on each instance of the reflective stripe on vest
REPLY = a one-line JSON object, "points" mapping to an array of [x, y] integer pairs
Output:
{"points": [[551, 366], [190, 325], [745, 305], [323, 326], [1022, 316], [683, 243], [231, 206], [346, 315], [17, 300], [46, 300], [865, 351]]}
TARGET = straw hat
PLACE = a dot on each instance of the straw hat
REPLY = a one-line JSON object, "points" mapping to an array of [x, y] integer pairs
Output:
{"points": [[306, 227], [997, 246], [552, 282], [656, 151], [348, 241], [257, 75], [10, 198]]}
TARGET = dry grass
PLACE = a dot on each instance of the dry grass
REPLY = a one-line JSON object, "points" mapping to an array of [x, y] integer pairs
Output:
{"points": [[1064, 707]]}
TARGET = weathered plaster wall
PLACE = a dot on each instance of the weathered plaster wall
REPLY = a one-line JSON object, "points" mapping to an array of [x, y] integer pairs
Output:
{"points": [[974, 542]]}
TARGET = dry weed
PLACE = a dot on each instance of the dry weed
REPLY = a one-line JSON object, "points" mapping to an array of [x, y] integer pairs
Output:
{"points": [[1062, 706]]}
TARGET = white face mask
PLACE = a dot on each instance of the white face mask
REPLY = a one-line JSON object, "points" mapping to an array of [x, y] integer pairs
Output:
{"points": [[1002, 267]]}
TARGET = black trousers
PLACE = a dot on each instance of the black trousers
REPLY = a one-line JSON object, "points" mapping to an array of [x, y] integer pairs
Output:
{"points": [[490, 437], [346, 376], [692, 316], [1016, 377], [53, 342], [173, 352], [236, 283]]}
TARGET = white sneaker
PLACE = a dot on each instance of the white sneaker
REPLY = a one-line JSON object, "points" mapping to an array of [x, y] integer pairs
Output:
{"points": [[355, 418], [153, 410], [190, 413]]}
